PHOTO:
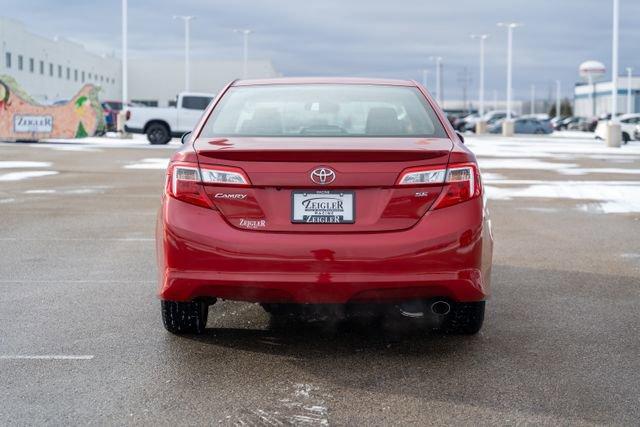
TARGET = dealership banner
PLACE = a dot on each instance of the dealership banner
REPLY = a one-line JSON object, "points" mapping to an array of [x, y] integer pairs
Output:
{"points": [[22, 118]]}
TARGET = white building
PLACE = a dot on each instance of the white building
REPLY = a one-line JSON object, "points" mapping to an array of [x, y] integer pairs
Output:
{"points": [[54, 69], [594, 100], [157, 81]]}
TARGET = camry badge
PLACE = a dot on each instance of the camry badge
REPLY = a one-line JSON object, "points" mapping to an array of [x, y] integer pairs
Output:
{"points": [[323, 176]]}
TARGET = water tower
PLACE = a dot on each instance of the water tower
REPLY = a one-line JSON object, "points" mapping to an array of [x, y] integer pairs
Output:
{"points": [[592, 71]]}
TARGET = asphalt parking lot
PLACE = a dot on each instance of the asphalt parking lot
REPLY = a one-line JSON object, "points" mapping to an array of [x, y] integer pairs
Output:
{"points": [[81, 340]]}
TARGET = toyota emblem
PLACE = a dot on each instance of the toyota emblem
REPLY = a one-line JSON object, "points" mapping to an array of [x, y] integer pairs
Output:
{"points": [[323, 176]]}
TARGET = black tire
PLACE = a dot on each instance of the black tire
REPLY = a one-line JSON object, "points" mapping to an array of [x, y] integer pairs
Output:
{"points": [[158, 133], [625, 137], [184, 317], [464, 319]]}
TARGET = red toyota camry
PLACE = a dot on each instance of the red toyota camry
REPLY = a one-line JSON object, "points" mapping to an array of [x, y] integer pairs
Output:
{"points": [[324, 191]]}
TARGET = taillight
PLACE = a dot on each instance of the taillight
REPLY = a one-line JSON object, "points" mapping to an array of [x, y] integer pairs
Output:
{"points": [[185, 181], [422, 176], [223, 175], [461, 181], [462, 184]]}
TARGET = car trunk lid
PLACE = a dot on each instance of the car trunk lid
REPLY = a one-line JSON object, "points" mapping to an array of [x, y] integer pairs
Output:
{"points": [[367, 168]]}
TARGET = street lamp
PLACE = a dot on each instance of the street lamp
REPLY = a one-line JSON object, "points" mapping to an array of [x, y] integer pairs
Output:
{"points": [[425, 76], [481, 124], [482, 38], [614, 133], [438, 60], [125, 70], [533, 99], [507, 126], [629, 74], [557, 100], [245, 50], [187, 71], [121, 117]]}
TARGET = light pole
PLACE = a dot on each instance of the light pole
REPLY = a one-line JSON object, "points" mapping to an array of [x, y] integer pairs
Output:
{"points": [[438, 60], [187, 40], [533, 99], [245, 50], [425, 76], [507, 126], [121, 118], [481, 125], [629, 74], [557, 100], [125, 69], [614, 133], [482, 38]]}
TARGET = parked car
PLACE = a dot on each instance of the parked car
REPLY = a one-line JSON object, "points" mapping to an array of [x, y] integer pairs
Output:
{"points": [[460, 123], [544, 120], [524, 126], [455, 115], [322, 191], [628, 123], [491, 118], [160, 124], [584, 124], [636, 133], [569, 122]]}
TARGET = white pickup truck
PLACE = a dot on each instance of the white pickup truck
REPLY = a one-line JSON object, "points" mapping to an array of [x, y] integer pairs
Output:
{"points": [[161, 124]]}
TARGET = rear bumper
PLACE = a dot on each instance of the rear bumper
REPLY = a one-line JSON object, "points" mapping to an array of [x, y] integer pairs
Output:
{"points": [[447, 254]]}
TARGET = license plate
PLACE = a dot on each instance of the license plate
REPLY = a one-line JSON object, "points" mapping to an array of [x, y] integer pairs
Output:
{"points": [[322, 207]]}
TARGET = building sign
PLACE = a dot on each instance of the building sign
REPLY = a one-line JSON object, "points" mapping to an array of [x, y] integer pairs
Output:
{"points": [[22, 118], [32, 124]]}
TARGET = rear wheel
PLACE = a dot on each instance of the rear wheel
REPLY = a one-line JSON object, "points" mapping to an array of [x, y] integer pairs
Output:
{"points": [[184, 317], [464, 319], [158, 133]]}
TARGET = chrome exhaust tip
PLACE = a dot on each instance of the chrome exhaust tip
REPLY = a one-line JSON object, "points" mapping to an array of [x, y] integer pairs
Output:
{"points": [[440, 308], [412, 314], [412, 309]]}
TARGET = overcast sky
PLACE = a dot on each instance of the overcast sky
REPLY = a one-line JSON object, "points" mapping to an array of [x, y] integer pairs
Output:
{"points": [[361, 37]]}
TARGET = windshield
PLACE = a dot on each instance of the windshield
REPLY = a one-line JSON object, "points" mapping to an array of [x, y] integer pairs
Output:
{"points": [[323, 110]]}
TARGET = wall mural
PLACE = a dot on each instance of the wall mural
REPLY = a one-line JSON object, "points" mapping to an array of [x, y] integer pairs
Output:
{"points": [[22, 118]]}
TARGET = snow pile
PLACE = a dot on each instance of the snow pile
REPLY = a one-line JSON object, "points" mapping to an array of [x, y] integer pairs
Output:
{"points": [[151, 163], [541, 154]]}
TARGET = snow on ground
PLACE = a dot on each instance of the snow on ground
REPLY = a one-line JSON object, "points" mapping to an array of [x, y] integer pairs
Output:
{"points": [[548, 147], [608, 198], [110, 141], [19, 176], [7, 164], [525, 153], [522, 164], [151, 163]]}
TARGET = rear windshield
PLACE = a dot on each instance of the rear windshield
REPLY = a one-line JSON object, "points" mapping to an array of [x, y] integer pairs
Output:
{"points": [[323, 110]]}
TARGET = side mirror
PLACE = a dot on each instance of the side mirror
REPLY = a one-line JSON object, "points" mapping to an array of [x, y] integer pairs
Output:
{"points": [[460, 136], [185, 136]]}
